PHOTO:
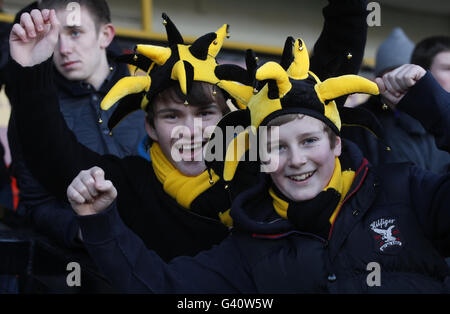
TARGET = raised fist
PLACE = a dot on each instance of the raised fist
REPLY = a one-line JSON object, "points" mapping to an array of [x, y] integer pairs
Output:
{"points": [[395, 84], [89, 193]]}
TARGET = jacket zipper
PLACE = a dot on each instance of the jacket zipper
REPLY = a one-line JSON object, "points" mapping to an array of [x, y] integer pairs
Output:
{"points": [[366, 169]]}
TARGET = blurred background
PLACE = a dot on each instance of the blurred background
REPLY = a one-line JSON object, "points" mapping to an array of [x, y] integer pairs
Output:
{"points": [[262, 25]]}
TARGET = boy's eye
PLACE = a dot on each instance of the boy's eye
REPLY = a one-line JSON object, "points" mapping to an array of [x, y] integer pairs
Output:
{"points": [[75, 33], [278, 148], [205, 113], [170, 116], [311, 140]]}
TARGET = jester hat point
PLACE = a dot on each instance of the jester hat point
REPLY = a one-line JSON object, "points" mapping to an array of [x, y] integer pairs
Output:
{"points": [[180, 63]]}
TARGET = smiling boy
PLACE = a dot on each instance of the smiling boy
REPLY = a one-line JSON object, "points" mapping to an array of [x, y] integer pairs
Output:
{"points": [[306, 154], [180, 130]]}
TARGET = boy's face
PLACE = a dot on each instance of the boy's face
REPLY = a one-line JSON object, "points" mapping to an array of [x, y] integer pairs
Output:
{"points": [[440, 68], [182, 132], [305, 158], [81, 49]]}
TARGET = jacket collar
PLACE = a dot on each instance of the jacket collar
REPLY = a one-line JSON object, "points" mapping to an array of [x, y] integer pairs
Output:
{"points": [[404, 121], [409, 124], [81, 88], [252, 211]]}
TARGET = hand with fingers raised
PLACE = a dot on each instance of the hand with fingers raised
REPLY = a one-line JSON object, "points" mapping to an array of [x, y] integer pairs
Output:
{"points": [[33, 40], [396, 83], [89, 193]]}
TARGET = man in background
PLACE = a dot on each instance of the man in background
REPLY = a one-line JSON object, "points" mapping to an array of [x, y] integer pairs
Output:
{"points": [[405, 139], [433, 54], [84, 73]]}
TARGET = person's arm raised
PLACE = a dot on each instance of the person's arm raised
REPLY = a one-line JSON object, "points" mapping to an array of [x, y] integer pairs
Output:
{"points": [[413, 90], [339, 50], [50, 149]]}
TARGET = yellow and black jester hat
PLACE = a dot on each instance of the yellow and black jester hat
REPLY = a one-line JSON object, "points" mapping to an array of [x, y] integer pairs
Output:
{"points": [[177, 62], [289, 87]]}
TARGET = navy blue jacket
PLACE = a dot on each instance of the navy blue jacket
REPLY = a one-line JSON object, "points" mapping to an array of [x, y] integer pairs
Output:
{"points": [[407, 139], [396, 215]]}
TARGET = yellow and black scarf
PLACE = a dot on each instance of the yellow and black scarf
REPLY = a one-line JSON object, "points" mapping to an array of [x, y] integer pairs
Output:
{"points": [[316, 215], [185, 190]]}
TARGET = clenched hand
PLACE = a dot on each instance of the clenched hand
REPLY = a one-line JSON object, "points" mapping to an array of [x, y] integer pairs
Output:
{"points": [[395, 84], [89, 193]]}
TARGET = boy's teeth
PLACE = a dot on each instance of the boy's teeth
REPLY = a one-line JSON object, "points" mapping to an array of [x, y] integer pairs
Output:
{"points": [[190, 147], [195, 146], [302, 177]]}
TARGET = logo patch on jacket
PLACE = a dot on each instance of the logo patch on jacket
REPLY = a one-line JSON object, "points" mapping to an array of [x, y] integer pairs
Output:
{"points": [[386, 234]]}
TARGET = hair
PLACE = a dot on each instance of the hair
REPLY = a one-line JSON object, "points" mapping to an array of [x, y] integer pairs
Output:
{"points": [[286, 118], [425, 51], [201, 94], [99, 9]]}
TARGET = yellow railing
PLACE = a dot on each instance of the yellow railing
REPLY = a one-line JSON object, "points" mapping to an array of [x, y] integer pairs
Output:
{"points": [[146, 33], [146, 15], [6, 18]]}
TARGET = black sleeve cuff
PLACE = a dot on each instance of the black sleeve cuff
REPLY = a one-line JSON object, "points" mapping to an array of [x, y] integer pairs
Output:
{"points": [[101, 227], [425, 102]]}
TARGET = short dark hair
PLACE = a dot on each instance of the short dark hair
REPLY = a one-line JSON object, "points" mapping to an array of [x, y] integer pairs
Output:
{"points": [[201, 94], [99, 9], [425, 51]]}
